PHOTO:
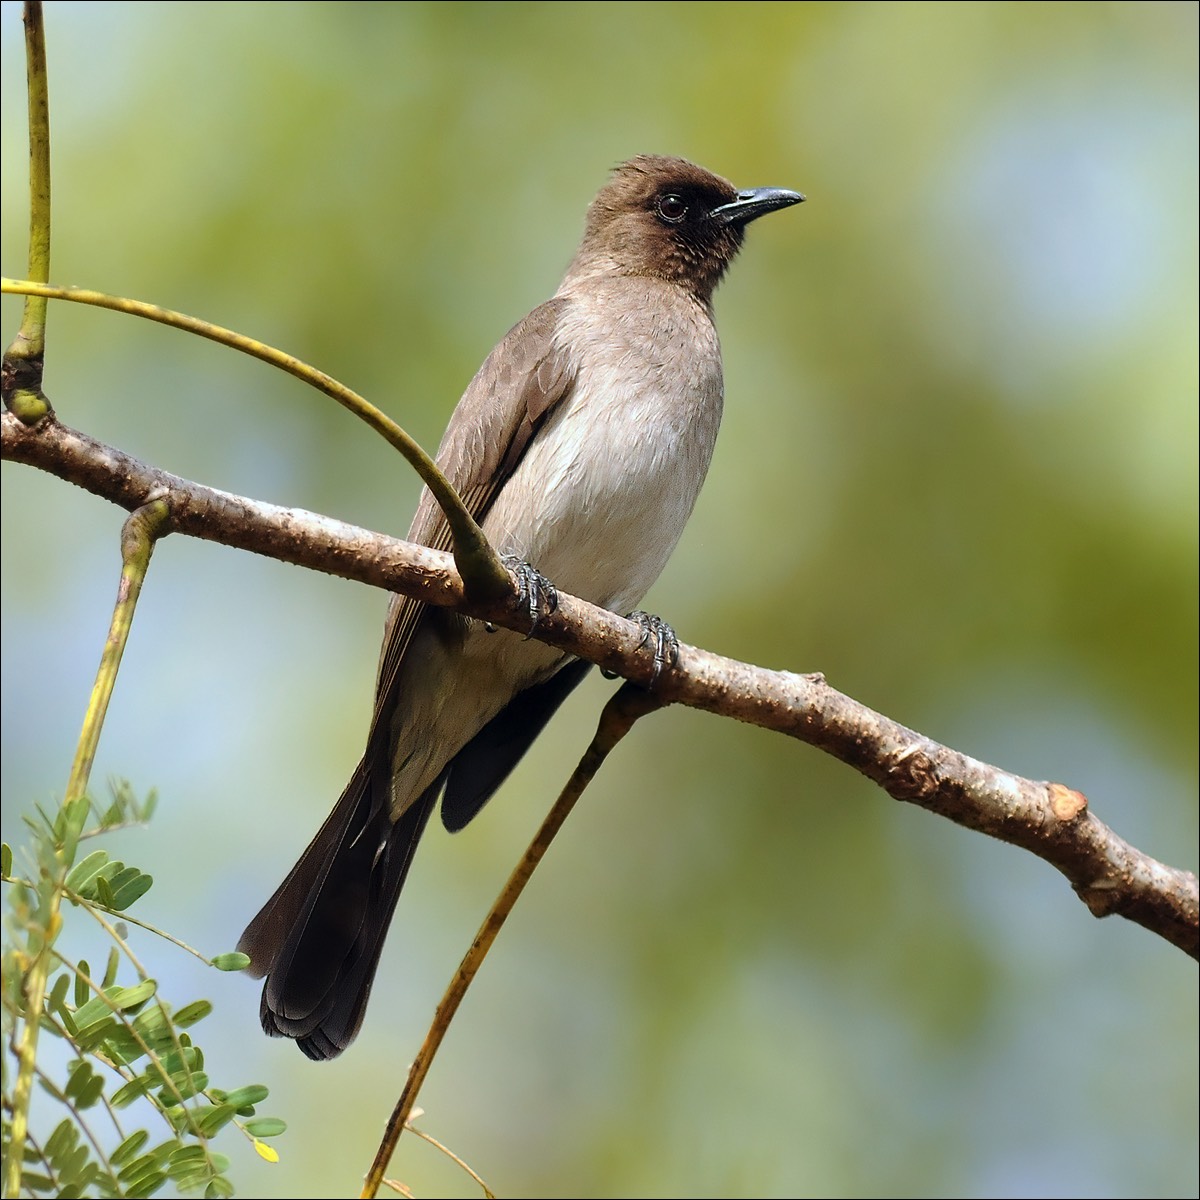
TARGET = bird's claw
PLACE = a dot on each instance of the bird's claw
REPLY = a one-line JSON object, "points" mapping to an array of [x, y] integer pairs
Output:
{"points": [[538, 596], [666, 643]]}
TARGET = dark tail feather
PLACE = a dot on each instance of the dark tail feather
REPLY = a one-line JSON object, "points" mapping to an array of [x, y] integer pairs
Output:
{"points": [[318, 939], [487, 760]]}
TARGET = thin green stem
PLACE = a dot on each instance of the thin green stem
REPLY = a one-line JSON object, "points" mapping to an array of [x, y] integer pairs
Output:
{"points": [[24, 358], [141, 530], [624, 708], [454, 1158], [97, 911], [483, 575], [33, 327], [111, 930], [34, 995]]}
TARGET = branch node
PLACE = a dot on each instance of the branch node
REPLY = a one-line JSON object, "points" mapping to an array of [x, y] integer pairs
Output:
{"points": [[21, 384], [1102, 896], [1066, 803], [913, 774]]}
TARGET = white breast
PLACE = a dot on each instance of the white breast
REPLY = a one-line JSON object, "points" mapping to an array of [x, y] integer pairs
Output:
{"points": [[601, 496]]}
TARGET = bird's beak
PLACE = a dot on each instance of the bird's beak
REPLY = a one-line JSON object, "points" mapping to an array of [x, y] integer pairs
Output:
{"points": [[754, 202]]}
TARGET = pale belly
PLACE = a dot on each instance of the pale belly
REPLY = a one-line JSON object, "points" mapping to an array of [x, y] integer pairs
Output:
{"points": [[597, 505]]}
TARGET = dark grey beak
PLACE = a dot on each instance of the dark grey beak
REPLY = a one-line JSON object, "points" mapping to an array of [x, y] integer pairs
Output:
{"points": [[753, 203]]}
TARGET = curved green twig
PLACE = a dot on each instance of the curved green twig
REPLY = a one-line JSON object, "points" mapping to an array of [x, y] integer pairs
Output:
{"points": [[482, 572]]}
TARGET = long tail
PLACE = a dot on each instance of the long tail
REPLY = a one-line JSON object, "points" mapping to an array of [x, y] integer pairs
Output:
{"points": [[317, 941]]}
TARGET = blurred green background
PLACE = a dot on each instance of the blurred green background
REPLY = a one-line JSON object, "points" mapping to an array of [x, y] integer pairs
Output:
{"points": [[958, 474]]}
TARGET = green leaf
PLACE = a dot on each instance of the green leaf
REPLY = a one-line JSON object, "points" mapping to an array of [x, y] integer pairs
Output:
{"points": [[186, 1158], [253, 1093], [82, 990], [97, 1007], [123, 877], [234, 960], [90, 1093], [131, 891], [160, 1042], [151, 1022], [85, 871], [129, 1147], [148, 1179], [189, 1014], [68, 1019], [74, 1164], [132, 1090], [136, 996], [56, 1001], [79, 1076], [180, 1117], [216, 1118], [189, 1181], [64, 1137], [68, 825], [186, 1058], [110, 971], [142, 1164], [197, 1180], [265, 1127], [219, 1189], [121, 1046], [5, 859], [183, 1086], [163, 1151], [95, 1033]]}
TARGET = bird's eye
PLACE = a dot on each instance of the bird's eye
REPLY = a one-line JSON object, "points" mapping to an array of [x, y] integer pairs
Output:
{"points": [[671, 208]]}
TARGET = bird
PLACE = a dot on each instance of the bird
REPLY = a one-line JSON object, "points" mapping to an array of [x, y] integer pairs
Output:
{"points": [[580, 447]]}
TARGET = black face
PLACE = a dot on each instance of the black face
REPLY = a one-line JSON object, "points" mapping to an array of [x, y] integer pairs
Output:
{"points": [[697, 246], [739, 208], [681, 203]]}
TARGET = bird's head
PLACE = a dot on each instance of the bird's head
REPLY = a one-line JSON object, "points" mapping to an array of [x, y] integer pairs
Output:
{"points": [[670, 219]]}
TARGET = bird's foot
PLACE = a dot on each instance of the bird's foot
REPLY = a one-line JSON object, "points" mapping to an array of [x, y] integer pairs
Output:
{"points": [[537, 594], [666, 642]]}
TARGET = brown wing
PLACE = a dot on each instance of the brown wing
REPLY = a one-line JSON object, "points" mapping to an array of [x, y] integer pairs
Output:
{"points": [[522, 379]]}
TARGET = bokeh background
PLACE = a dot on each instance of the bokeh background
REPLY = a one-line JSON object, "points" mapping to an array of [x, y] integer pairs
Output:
{"points": [[957, 474]]}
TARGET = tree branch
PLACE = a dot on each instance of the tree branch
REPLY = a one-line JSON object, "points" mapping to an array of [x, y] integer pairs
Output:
{"points": [[1048, 819]]}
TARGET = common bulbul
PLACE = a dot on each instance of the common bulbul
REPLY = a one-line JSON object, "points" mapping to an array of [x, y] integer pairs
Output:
{"points": [[580, 447]]}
